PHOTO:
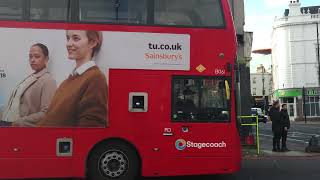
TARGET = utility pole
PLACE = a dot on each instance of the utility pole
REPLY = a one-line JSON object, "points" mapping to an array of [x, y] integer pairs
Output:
{"points": [[263, 91], [318, 55], [304, 105]]}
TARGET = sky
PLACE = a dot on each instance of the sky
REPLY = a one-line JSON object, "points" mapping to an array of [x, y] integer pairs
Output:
{"points": [[259, 16]]}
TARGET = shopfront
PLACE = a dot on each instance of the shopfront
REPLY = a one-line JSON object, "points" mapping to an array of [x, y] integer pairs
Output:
{"points": [[301, 102]]}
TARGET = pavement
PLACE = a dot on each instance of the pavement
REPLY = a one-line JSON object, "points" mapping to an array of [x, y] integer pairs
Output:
{"points": [[298, 139], [305, 122], [289, 154]]}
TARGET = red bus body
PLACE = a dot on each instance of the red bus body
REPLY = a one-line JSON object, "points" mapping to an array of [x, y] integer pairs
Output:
{"points": [[31, 152]]}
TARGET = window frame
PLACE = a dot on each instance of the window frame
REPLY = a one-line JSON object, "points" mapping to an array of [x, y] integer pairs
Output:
{"points": [[78, 21], [254, 91], [254, 80], [312, 105], [26, 14], [73, 16], [44, 20], [187, 26], [197, 77]]}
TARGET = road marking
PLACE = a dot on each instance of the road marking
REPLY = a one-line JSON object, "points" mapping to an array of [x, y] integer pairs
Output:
{"points": [[300, 134], [311, 126], [295, 133], [288, 138]]}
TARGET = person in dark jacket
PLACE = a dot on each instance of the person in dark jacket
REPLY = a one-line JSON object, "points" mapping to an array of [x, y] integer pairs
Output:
{"points": [[285, 125], [274, 115]]}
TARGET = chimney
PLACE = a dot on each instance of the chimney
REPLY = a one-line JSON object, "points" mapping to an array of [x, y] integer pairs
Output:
{"points": [[294, 8]]}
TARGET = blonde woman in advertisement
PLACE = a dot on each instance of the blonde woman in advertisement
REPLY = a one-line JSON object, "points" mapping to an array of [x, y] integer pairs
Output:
{"points": [[30, 99], [81, 99]]}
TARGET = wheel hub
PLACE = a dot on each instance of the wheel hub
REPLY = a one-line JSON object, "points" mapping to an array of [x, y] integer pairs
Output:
{"points": [[113, 164]]}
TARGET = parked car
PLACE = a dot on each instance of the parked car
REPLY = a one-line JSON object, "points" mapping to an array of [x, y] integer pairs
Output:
{"points": [[258, 112]]}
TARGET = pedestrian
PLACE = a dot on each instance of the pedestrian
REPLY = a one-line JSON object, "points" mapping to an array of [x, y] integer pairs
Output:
{"points": [[274, 115], [285, 125]]}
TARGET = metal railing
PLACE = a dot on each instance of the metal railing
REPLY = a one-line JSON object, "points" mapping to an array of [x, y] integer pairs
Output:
{"points": [[253, 124]]}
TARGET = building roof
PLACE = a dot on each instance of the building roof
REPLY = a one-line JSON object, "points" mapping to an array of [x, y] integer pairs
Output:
{"points": [[313, 10], [260, 74]]}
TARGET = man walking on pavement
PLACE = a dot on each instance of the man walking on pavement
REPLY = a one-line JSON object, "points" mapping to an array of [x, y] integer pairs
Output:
{"points": [[274, 115], [285, 125]]}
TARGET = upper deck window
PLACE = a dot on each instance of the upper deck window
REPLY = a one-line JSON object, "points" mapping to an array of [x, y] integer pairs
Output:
{"points": [[56, 10], [113, 11], [177, 13], [195, 13], [11, 9], [190, 13]]}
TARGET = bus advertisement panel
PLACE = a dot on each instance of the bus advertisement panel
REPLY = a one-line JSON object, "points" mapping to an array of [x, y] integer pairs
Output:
{"points": [[36, 88]]}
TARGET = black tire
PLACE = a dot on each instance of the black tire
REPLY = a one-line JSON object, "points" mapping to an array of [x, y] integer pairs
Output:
{"points": [[113, 161]]}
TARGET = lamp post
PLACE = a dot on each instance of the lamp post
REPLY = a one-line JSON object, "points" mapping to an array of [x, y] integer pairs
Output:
{"points": [[263, 52], [263, 90], [304, 105], [318, 56]]}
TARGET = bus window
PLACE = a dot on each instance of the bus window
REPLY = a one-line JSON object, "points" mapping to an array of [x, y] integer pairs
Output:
{"points": [[113, 11], [195, 13], [56, 10], [200, 100], [11, 9]]}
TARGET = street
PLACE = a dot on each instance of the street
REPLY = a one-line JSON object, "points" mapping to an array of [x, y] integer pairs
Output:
{"points": [[266, 169], [298, 136], [275, 168]]}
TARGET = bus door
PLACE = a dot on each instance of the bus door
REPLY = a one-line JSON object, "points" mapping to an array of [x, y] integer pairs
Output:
{"points": [[199, 125]]}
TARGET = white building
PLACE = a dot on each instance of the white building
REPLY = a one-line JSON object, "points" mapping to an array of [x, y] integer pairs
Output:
{"points": [[261, 82], [294, 59], [261, 87]]}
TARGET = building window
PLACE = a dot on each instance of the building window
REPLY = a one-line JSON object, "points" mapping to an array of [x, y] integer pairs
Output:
{"points": [[254, 91], [290, 105], [254, 80], [312, 106], [288, 100]]}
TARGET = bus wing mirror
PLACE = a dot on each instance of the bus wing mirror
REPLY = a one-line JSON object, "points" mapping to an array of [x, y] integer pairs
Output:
{"points": [[226, 83]]}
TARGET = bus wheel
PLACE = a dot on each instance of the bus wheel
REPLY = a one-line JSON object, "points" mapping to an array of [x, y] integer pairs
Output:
{"points": [[112, 160]]}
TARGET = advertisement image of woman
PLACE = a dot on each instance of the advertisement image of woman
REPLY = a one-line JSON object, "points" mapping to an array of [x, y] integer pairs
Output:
{"points": [[81, 99], [30, 99]]}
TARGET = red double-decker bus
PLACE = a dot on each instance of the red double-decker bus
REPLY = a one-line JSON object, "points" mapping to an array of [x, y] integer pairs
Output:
{"points": [[170, 106]]}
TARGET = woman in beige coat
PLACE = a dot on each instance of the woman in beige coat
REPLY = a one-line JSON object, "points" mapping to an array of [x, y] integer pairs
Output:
{"points": [[30, 99]]}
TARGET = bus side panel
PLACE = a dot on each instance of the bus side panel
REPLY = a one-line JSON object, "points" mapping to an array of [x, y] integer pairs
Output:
{"points": [[31, 153]]}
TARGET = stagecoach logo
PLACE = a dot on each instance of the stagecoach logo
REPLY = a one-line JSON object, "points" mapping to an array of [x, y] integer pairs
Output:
{"points": [[182, 144]]}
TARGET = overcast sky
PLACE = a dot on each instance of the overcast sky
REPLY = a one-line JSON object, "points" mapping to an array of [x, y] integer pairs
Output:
{"points": [[259, 19]]}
